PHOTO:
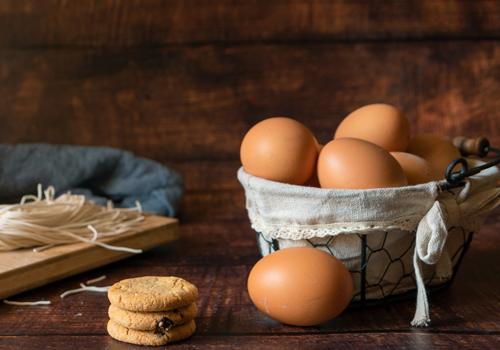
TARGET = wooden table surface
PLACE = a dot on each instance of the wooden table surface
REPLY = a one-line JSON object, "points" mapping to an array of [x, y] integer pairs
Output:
{"points": [[180, 82], [217, 257]]}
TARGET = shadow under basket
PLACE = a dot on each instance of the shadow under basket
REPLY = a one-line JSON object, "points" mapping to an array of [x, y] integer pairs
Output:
{"points": [[382, 274]]}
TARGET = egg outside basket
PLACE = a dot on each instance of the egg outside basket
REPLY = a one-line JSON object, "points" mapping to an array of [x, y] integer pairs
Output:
{"points": [[395, 241]]}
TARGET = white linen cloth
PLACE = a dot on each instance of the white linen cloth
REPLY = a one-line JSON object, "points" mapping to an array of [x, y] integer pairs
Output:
{"points": [[293, 213]]}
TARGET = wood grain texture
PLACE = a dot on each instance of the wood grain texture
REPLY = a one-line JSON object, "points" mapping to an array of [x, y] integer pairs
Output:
{"points": [[416, 340], [217, 258], [35, 23], [210, 206], [196, 104], [180, 81], [21, 270]]}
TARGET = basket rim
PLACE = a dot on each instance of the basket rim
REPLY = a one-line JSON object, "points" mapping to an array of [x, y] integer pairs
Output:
{"points": [[275, 184], [489, 174]]}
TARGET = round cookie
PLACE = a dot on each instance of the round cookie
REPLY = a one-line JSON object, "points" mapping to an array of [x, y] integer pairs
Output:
{"points": [[160, 321], [152, 293], [133, 336]]}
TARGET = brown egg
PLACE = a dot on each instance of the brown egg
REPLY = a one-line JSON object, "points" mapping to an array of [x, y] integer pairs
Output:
{"points": [[437, 150], [357, 164], [313, 180], [319, 146], [279, 149], [300, 286], [416, 169], [381, 124]]}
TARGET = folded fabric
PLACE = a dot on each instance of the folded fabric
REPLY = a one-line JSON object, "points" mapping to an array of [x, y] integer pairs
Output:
{"points": [[99, 173]]}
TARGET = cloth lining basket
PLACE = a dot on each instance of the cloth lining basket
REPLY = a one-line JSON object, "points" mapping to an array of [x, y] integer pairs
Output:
{"points": [[395, 241]]}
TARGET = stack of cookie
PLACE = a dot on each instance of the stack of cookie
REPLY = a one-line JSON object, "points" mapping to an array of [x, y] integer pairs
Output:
{"points": [[152, 310]]}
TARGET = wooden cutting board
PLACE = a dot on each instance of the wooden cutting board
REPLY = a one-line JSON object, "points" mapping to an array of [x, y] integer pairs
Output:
{"points": [[24, 269]]}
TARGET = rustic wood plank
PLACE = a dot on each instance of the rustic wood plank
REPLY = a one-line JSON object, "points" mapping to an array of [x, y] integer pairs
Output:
{"points": [[196, 104], [23, 269], [181, 81], [417, 340], [218, 256], [198, 206], [208, 175], [35, 23]]}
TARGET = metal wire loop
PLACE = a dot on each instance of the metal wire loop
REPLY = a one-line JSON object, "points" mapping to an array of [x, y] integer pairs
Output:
{"points": [[457, 177]]}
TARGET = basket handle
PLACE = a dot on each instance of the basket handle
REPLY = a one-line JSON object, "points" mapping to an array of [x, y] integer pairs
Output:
{"points": [[479, 146]]}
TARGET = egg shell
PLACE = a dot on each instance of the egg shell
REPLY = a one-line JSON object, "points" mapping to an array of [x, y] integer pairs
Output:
{"points": [[437, 150], [279, 149], [357, 164], [300, 286], [319, 146], [416, 169], [313, 180], [379, 123]]}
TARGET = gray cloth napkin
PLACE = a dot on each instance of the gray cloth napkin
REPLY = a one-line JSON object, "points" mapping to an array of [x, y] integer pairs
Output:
{"points": [[99, 173]]}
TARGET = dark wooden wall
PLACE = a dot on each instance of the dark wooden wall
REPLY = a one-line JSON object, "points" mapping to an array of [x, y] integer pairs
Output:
{"points": [[180, 81]]}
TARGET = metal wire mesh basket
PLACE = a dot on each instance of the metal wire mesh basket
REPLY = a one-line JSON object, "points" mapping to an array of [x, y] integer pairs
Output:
{"points": [[395, 277], [382, 261]]}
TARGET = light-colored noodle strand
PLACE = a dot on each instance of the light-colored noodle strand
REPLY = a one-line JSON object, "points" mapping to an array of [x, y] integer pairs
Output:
{"points": [[43, 221], [97, 279], [27, 303], [84, 288]]}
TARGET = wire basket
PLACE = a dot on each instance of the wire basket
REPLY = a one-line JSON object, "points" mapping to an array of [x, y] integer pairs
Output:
{"points": [[384, 261], [382, 289]]}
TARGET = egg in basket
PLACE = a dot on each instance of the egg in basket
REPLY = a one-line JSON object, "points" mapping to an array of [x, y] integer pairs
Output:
{"points": [[398, 212]]}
